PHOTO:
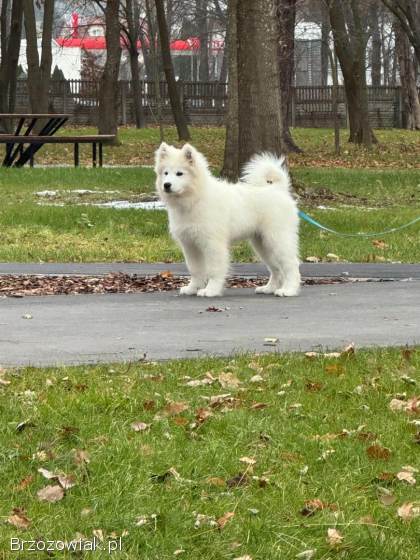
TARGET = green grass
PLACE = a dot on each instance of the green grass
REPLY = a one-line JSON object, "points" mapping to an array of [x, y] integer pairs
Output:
{"points": [[299, 443], [75, 232], [380, 198], [396, 148]]}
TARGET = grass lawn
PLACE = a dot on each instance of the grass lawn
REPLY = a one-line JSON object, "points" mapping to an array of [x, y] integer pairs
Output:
{"points": [[359, 191], [297, 447], [77, 232]]}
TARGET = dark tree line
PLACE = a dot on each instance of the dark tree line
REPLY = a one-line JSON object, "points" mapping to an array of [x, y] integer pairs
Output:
{"points": [[381, 36]]}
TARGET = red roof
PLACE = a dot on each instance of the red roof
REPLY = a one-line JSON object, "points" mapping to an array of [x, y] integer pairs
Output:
{"points": [[99, 43]]}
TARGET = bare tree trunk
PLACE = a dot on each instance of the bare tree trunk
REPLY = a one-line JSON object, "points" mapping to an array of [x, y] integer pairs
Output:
{"points": [[153, 39], [39, 72], [410, 97], [177, 109], [325, 49], [286, 15], [350, 39], [335, 90], [375, 58], [259, 95], [133, 36], [10, 45], [230, 168], [203, 34], [108, 94]]}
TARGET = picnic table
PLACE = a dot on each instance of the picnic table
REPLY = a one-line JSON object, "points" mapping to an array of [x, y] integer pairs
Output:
{"points": [[30, 136]]}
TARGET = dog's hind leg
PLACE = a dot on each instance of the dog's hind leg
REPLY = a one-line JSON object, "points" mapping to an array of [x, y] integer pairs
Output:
{"points": [[285, 252], [195, 264], [266, 255], [216, 266]]}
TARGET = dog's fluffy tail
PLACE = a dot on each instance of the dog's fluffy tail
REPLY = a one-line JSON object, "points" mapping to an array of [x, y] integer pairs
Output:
{"points": [[265, 169]]}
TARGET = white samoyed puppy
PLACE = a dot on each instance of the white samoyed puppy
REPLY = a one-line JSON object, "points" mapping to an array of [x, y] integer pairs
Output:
{"points": [[207, 215]]}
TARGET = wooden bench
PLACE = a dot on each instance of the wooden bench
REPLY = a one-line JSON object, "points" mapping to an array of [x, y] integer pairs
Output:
{"points": [[33, 143]]}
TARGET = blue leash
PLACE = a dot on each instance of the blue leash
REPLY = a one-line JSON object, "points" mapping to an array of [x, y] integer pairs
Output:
{"points": [[313, 222]]}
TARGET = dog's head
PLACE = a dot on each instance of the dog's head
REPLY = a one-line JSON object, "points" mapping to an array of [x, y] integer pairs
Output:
{"points": [[178, 171]]}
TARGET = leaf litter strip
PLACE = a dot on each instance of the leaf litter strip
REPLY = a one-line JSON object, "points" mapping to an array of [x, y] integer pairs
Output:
{"points": [[19, 286]]}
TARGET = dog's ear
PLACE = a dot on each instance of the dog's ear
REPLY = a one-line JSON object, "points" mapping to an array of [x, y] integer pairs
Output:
{"points": [[162, 151], [160, 154], [189, 153]]}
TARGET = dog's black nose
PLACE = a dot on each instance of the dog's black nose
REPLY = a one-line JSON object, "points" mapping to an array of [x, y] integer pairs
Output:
{"points": [[167, 186]]}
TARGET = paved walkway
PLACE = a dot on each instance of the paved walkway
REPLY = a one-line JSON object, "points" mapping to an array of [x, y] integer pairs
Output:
{"points": [[385, 271], [106, 328]]}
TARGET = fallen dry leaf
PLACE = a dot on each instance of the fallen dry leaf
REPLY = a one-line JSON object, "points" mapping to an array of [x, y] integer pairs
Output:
{"points": [[258, 406], [180, 420], [19, 519], [47, 474], [228, 380], [379, 244], [81, 457], [221, 522], [213, 309], [270, 341], [66, 481], [376, 451], [149, 405], [3, 381], [216, 481], [25, 482], [334, 537], [312, 506], [313, 386], [248, 460], [23, 425], [175, 408], [407, 475], [140, 426], [50, 494], [240, 479], [412, 406], [202, 520], [200, 382], [306, 554], [99, 534], [386, 497], [203, 414], [246, 557], [218, 400], [408, 511]]}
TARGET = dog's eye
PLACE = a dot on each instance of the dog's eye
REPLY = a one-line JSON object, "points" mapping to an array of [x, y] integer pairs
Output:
{"points": [[179, 174], [166, 173]]}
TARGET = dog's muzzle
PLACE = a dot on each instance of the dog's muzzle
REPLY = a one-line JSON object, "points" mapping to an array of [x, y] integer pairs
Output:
{"points": [[167, 187]]}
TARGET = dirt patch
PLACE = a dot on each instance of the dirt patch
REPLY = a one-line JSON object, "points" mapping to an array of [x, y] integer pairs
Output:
{"points": [[37, 285], [315, 196]]}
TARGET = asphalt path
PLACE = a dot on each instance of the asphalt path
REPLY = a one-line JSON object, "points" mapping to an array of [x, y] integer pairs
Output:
{"points": [[84, 329]]}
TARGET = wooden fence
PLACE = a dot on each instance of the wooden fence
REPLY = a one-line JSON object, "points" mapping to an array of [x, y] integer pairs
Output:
{"points": [[206, 103]]}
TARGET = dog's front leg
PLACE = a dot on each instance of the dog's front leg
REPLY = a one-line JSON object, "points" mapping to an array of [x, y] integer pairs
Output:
{"points": [[216, 265], [194, 262]]}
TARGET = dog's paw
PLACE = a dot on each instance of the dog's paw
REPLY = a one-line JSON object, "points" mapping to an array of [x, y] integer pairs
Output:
{"points": [[205, 292], [188, 291], [265, 290], [287, 292]]}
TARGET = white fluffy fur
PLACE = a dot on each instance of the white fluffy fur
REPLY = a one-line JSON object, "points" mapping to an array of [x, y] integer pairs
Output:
{"points": [[207, 215]]}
